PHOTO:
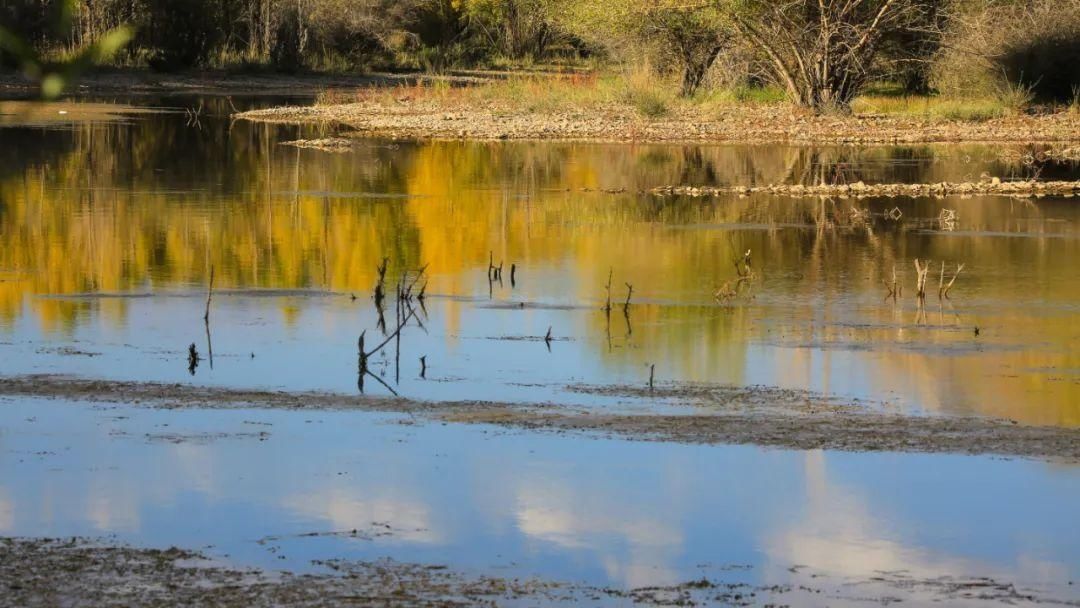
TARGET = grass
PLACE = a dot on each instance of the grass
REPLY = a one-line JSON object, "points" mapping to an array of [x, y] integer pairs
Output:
{"points": [[654, 98], [649, 96], [930, 107]]}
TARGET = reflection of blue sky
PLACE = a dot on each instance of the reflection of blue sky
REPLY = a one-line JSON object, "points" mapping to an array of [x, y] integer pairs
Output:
{"points": [[477, 498], [316, 350]]}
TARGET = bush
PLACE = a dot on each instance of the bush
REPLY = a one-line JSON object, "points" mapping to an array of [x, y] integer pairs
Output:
{"points": [[1027, 52]]}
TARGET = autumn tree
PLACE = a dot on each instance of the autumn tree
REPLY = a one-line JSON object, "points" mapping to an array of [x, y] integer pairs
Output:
{"points": [[682, 37], [822, 52]]}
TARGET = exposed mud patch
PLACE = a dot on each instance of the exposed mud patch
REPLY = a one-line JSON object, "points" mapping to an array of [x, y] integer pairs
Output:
{"points": [[79, 572], [753, 415]]}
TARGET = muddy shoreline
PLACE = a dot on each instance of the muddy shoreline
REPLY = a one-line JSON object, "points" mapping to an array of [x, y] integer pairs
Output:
{"points": [[79, 572], [756, 124], [729, 415]]}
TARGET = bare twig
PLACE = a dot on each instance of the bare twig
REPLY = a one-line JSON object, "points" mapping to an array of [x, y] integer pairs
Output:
{"points": [[209, 294], [607, 305], [959, 269]]}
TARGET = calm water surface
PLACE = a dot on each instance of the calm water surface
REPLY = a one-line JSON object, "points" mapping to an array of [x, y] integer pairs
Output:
{"points": [[108, 232], [109, 229]]}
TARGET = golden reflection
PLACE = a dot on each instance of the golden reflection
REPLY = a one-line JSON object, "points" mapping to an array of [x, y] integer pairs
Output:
{"points": [[150, 206]]}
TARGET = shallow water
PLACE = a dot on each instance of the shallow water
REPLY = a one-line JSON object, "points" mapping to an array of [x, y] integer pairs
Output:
{"points": [[277, 489], [108, 231], [109, 228]]}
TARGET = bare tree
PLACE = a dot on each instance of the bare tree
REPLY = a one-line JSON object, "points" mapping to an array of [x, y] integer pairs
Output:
{"points": [[822, 51]]}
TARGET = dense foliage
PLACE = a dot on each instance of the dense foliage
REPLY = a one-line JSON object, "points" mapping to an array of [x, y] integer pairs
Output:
{"points": [[821, 53]]}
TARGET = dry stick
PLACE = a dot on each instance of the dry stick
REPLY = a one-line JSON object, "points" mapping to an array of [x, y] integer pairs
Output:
{"points": [[959, 269], [513, 279], [423, 366], [400, 326], [920, 284], [397, 340], [652, 374], [629, 292], [891, 288], [209, 294], [941, 281], [607, 306], [419, 275], [209, 343]]}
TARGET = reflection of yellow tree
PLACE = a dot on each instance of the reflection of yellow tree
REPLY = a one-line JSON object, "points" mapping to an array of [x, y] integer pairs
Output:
{"points": [[98, 215]]}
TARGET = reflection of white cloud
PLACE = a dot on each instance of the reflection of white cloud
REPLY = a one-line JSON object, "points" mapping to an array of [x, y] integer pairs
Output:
{"points": [[553, 513], [7, 512], [112, 509], [411, 521], [195, 465], [841, 536]]}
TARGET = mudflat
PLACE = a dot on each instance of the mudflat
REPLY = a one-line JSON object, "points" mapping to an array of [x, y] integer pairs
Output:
{"points": [[734, 415]]}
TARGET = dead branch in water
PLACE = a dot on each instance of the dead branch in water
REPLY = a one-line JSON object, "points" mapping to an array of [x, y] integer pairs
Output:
{"points": [[513, 278], [920, 278], [209, 294], [494, 272], [607, 305], [380, 286], [652, 375], [959, 269], [423, 366], [629, 293], [894, 288]]}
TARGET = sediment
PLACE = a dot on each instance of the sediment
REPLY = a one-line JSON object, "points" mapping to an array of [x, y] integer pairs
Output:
{"points": [[729, 415]]}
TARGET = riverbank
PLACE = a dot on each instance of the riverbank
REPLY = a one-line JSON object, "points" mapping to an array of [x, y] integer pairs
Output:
{"points": [[761, 416], [88, 572], [503, 113]]}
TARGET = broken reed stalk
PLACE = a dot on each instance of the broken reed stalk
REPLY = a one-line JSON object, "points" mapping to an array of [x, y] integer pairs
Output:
{"points": [[209, 295], [652, 375], [494, 272], [513, 279], [547, 337], [401, 325], [607, 306], [892, 288], [920, 282], [361, 354], [941, 282], [423, 366], [380, 289], [629, 293], [959, 269], [416, 279]]}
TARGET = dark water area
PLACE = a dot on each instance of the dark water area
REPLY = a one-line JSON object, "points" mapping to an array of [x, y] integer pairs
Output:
{"points": [[111, 221]]}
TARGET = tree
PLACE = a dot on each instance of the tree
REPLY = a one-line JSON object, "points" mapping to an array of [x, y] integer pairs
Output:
{"points": [[822, 52], [520, 29], [685, 38]]}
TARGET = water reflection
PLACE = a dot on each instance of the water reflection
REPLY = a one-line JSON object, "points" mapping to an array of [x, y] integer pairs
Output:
{"points": [[603, 512], [147, 206]]}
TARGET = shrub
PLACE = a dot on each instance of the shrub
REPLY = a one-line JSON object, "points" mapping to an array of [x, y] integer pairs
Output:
{"points": [[1013, 52]]}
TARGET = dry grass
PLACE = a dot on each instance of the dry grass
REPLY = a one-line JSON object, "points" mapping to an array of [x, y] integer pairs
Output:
{"points": [[931, 107], [653, 98], [649, 96]]}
